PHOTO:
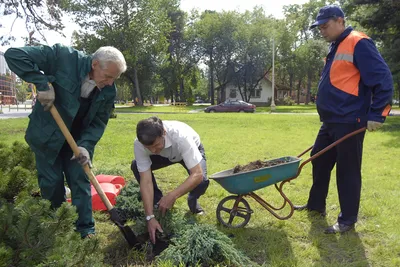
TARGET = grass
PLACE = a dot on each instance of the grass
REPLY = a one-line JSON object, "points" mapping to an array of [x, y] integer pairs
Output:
{"points": [[231, 139], [159, 109], [199, 108]]}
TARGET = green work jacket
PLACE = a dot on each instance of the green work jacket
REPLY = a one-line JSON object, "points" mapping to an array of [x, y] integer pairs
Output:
{"points": [[65, 68]]}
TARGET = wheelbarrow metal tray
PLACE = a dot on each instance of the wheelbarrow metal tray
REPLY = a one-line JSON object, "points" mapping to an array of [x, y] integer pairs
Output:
{"points": [[246, 182]]}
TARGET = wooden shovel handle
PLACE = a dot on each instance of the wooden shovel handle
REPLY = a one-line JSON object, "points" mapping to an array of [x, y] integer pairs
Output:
{"points": [[76, 152]]}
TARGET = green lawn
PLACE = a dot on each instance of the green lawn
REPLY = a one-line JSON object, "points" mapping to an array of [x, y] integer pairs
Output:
{"points": [[156, 109], [186, 109], [232, 139]]}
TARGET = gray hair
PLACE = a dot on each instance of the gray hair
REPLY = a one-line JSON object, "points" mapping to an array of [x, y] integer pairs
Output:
{"points": [[107, 54]]}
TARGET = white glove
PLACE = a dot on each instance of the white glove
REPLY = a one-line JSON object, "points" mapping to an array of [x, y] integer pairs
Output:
{"points": [[374, 125], [83, 158], [46, 98]]}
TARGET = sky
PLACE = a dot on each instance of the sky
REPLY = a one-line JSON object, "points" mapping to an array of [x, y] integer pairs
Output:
{"points": [[273, 7]]}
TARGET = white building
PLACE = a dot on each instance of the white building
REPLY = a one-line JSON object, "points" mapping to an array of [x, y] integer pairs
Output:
{"points": [[261, 96]]}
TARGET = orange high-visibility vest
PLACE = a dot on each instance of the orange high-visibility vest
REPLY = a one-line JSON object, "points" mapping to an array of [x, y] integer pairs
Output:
{"points": [[343, 74]]}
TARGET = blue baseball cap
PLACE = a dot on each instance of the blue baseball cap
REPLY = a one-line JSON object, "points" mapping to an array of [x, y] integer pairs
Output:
{"points": [[326, 13]]}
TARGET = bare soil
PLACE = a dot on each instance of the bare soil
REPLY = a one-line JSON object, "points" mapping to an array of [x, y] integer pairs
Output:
{"points": [[258, 164]]}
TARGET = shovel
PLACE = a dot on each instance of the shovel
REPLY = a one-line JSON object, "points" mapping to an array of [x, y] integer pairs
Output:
{"points": [[115, 217]]}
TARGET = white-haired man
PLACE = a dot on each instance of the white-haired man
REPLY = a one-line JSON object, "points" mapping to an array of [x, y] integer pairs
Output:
{"points": [[82, 88]]}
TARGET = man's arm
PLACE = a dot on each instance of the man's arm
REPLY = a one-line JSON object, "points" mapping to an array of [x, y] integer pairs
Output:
{"points": [[147, 192], [194, 179], [35, 65], [376, 75]]}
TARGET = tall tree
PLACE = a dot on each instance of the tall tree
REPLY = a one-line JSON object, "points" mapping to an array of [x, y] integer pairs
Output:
{"points": [[381, 20], [137, 28], [38, 15]]}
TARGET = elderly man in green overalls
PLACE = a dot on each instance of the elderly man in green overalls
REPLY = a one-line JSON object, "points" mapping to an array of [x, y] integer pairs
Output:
{"points": [[82, 88]]}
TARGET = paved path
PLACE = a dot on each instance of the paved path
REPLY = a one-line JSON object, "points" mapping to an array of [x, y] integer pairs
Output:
{"points": [[11, 113]]}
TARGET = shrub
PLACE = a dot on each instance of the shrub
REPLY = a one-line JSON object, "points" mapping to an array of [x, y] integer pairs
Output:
{"points": [[113, 115], [203, 245], [17, 171], [192, 244], [34, 234]]}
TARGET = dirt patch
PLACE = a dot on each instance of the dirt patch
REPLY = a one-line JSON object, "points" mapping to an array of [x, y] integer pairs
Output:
{"points": [[258, 164]]}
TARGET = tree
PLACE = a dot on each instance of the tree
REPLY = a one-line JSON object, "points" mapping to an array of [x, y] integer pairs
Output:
{"points": [[22, 89], [179, 70], [38, 15], [137, 28], [310, 56], [253, 58], [382, 23]]}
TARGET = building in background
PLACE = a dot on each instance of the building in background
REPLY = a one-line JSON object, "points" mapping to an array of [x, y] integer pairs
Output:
{"points": [[7, 83]]}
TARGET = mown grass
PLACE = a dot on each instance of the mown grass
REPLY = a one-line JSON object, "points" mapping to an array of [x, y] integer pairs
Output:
{"points": [[200, 108], [232, 139]]}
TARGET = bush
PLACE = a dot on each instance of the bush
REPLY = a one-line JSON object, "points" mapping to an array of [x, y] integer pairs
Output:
{"points": [[203, 245], [286, 101], [33, 234], [113, 115], [190, 101], [17, 172], [191, 244]]}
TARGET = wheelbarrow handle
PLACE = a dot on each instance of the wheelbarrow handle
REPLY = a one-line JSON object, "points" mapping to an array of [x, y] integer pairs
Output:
{"points": [[326, 149], [75, 150]]}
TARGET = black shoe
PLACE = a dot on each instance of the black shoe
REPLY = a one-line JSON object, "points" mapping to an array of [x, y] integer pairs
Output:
{"points": [[339, 228], [305, 207]]}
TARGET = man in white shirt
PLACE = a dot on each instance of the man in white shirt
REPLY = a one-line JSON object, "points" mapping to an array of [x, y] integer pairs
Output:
{"points": [[160, 144]]}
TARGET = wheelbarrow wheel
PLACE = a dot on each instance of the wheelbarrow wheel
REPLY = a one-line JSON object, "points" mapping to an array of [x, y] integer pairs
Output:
{"points": [[233, 212]]}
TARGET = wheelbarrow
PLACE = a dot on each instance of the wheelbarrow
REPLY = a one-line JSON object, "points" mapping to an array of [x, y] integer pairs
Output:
{"points": [[234, 211]]}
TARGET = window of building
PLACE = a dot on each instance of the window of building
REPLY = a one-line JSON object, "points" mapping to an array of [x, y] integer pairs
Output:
{"points": [[256, 93]]}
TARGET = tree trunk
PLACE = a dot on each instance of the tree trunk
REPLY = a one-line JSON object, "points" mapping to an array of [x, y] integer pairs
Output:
{"points": [[290, 84], [223, 93], [298, 91], [136, 83], [308, 95], [398, 89], [212, 78], [181, 90]]}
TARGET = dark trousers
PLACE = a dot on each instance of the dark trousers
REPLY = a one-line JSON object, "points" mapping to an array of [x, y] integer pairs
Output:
{"points": [[347, 156], [51, 183], [159, 162]]}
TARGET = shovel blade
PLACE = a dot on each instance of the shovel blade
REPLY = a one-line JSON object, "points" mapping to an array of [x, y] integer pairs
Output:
{"points": [[129, 236], [126, 231]]}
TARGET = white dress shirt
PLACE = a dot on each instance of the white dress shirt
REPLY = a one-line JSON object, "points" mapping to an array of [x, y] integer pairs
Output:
{"points": [[181, 143]]}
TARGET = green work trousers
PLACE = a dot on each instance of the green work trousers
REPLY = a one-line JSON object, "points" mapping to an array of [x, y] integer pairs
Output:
{"points": [[51, 183]]}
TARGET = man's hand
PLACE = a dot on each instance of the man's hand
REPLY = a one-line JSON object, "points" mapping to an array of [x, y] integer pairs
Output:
{"points": [[374, 125], [166, 203], [46, 98], [83, 158], [152, 227]]}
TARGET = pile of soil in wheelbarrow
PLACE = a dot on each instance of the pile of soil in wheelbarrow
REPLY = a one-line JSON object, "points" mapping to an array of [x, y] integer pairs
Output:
{"points": [[258, 164]]}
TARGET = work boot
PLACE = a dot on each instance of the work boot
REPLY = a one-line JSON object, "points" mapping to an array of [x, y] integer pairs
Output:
{"points": [[339, 228], [305, 207]]}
